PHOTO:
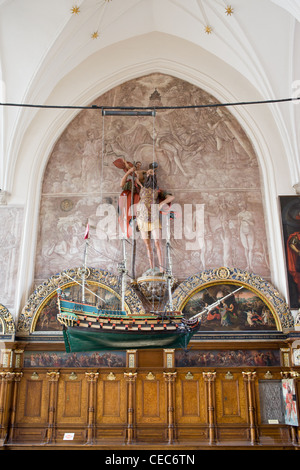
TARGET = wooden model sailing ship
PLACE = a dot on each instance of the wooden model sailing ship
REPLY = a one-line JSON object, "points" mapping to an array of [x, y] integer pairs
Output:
{"points": [[87, 327]]}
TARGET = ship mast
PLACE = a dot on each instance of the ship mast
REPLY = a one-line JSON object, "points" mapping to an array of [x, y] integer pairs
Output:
{"points": [[133, 248], [169, 273], [86, 236], [123, 265]]}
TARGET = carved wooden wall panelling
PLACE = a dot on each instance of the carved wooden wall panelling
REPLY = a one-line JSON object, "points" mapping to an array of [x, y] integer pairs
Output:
{"points": [[72, 406], [32, 407], [196, 407], [231, 414], [190, 405], [6, 380], [151, 411], [111, 417]]}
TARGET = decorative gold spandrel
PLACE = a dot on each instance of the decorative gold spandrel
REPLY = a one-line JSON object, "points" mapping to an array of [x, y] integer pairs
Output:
{"points": [[297, 321], [7, 324], [223, 273]]}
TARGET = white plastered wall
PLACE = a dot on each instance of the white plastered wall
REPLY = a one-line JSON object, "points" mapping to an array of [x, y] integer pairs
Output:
{"points": [[153, 52]]}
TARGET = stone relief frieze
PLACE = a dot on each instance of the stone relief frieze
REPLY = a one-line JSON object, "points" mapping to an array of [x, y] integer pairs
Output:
{"points": [[205, 160], [10, 242]]}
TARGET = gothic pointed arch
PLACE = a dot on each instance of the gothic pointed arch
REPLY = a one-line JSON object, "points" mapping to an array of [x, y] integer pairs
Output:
{"points": [[205, 159]]}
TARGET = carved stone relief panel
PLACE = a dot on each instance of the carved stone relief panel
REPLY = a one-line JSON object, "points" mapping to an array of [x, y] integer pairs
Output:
{"points": [[10, 242], [205, 159]]}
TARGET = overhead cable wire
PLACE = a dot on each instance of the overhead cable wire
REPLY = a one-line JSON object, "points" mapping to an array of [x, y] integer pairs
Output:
{"points": [[149, 108]]}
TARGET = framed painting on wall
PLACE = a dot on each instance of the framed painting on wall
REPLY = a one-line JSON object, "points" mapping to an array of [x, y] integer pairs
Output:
{"points": [[290, 217], [290, 402]]}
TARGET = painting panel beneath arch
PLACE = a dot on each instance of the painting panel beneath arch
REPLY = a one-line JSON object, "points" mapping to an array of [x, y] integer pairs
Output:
{"points": [[240, 311], [95, 295]]}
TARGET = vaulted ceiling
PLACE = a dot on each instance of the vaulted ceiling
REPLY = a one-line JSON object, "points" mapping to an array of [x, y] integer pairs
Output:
{"points": [[43, 42], [252, 37], [70, 52]]}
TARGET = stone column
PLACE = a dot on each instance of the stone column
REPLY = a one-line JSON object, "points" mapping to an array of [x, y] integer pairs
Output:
{"points": [[209, 379]]}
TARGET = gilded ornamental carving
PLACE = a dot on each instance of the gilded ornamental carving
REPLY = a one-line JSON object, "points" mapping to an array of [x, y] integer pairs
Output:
{"points": [[7, 325], [235, 276], [47, 291]]}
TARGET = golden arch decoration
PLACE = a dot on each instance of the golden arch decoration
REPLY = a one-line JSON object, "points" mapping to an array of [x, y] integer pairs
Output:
{"points": [[45, 292], [234, 276], [7, 325]]}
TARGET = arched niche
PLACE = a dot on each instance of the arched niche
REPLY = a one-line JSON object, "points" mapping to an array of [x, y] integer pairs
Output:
{"points": [[205, 159], [39, 313], [270, 310]]}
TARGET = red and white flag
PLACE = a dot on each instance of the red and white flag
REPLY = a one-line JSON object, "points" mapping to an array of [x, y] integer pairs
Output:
{"points": [[87, 230]]}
